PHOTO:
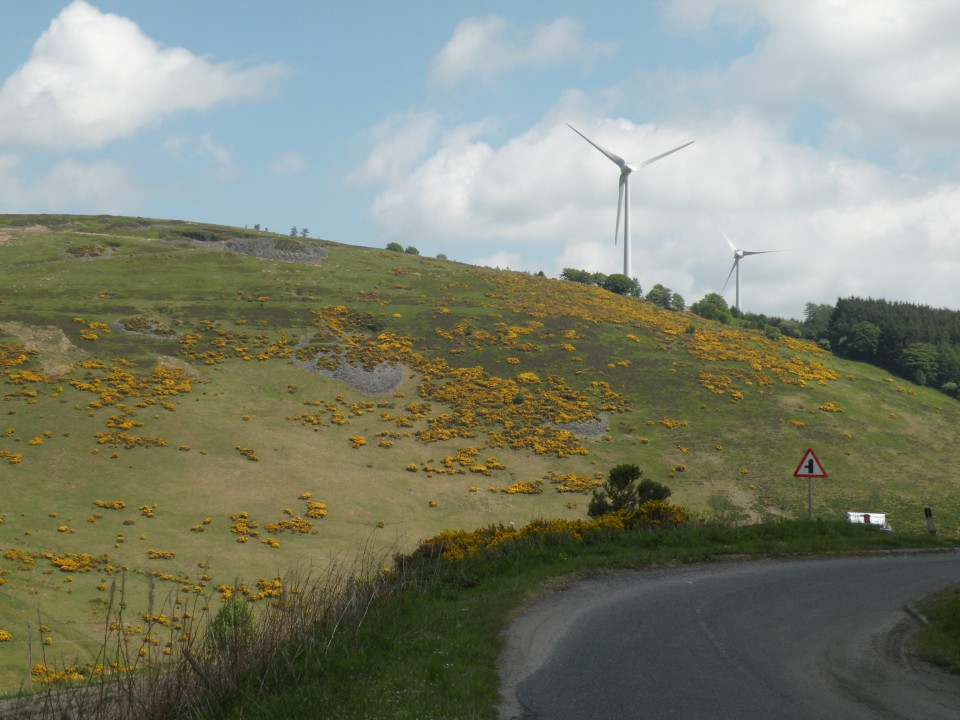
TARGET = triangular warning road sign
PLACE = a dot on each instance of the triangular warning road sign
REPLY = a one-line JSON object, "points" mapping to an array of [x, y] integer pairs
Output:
{"points": [[810, 467]]}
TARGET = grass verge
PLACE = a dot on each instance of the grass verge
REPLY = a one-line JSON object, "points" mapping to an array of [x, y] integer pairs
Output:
{"points": [[939, 642]]}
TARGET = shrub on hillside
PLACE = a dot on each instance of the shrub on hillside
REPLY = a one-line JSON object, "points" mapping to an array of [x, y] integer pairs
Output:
{"points": [[232, 627], [624, 491]]}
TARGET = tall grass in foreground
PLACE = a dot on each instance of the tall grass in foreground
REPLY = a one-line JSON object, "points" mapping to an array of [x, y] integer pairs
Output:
{"points": [[183, 656], [418, 640]]}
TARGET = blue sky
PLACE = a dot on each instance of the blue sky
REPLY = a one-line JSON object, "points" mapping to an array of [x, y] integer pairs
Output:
{"points": [[826, 128]]}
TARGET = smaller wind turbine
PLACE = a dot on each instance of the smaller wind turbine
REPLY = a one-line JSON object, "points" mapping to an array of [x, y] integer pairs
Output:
{"points": [[738, 255], [623, 198]]}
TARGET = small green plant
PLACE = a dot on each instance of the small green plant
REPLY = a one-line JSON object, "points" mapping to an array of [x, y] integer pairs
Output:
{"points": [[231, 627], [623, 490]]}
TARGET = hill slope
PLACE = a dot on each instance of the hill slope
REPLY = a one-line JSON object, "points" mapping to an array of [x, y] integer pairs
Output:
{"points": [[198, 405]]}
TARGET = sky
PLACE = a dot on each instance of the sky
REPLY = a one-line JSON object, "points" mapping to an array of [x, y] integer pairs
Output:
{"points": [[825, 129]]}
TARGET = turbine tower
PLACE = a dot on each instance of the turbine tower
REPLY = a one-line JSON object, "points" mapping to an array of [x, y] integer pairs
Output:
{"points": [[738, 255], [623, 198]]}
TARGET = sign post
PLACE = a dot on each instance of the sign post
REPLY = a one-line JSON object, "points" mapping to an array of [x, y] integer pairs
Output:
{"points": [[810, 468]]}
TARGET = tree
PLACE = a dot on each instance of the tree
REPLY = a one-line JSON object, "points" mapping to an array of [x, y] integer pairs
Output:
{"points": [[816, 320], [791, 328], [919, 362], [395, 247], [676, 302], [441, 256], [293, 231], [577, 276], [660, 296], [622, 492], [863, 341], [713, 307], [621, 285], [304, 232], [411, 250]]}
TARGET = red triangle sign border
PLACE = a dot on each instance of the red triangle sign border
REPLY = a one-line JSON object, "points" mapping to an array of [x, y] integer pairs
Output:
{"points": [[810, 466]]}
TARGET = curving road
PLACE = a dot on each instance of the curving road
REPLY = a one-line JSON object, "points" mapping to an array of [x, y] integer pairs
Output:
{"points": [[806, 639]]}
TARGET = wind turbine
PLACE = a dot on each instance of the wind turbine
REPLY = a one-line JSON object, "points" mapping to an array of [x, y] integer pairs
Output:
{"points": [[623, 198], [738, 255]]}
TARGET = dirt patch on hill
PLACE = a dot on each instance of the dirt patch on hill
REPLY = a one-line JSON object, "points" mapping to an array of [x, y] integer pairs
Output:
{"points": [[55, 352], [379, 380]]}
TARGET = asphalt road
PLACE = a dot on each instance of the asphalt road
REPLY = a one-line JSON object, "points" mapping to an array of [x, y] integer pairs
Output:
{"points": [[809, 639]]}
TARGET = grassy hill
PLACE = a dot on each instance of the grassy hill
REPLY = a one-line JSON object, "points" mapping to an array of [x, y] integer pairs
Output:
{"points": [[191, 407]]}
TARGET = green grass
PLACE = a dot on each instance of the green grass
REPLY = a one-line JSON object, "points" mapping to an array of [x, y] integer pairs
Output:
{"points": [[939, 642]]}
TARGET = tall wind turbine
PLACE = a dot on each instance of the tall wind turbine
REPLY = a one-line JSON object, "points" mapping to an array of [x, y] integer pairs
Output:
{"points": [[623, 198], [738, 255]]}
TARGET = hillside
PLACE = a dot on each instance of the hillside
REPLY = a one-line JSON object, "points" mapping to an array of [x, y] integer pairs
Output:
{"points": [[190, 407]]}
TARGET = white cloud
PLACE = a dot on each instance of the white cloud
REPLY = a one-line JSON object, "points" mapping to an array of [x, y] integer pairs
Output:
{"points": [[93, 77], [520, 191], [99, 187], [888, 69], [484, 47], [204, 148], [396, 144], [288, 164]]}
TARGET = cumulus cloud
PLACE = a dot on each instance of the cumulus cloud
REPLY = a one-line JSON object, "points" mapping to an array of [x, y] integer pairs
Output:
{"points": [[397, 143], [521, 190], [485, 47], [93, 77], [888, 69]]}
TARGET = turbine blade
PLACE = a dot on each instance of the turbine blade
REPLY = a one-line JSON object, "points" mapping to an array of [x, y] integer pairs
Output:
{"points": [[615, 158], [732, 268], [761, 252], [620, 194], [729, 241], [663, 155]]}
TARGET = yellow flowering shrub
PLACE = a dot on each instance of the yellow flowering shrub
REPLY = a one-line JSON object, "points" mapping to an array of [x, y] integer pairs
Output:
{"points": [[458, 544]]}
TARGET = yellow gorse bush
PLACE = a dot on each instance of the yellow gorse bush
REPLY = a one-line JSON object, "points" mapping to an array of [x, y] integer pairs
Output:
{"points": [[459, 544]]}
